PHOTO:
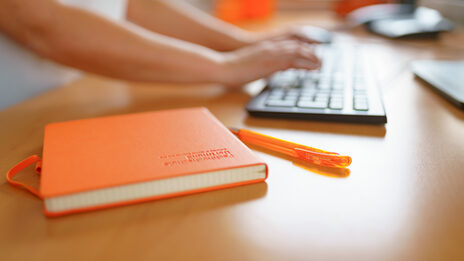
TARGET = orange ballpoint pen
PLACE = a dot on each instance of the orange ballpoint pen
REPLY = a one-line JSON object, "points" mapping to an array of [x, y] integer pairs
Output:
{"points": [[306, 153]]}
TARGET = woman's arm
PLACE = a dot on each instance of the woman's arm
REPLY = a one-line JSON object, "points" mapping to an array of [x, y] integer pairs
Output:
{"points": [[89, 42], [183, 21]]}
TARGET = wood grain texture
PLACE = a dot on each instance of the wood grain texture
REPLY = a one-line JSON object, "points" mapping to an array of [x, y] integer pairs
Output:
{"points": [[402, 200]]}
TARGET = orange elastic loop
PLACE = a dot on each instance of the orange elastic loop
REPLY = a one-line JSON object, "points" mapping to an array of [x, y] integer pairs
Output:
{"points": [[20, 166]]}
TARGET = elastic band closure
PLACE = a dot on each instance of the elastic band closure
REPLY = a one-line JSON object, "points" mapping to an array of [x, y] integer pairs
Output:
{"points": [[20, 166]]}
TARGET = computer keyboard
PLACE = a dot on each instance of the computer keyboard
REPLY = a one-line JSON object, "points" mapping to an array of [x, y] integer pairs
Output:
{"points": [[344, 89]]}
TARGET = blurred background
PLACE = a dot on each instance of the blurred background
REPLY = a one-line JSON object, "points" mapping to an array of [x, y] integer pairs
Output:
{"points": [[452, 9]]}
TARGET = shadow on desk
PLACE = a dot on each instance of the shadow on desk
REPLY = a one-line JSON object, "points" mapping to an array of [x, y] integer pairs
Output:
{"points": [[159, 213], [321, 170], [318, 126]]}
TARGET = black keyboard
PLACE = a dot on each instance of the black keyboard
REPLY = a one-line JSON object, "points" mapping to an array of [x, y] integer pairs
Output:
{"points": [[343, 90]]}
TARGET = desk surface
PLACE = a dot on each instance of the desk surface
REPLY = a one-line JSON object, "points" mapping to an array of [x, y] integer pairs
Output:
{"points": [[402, 200]]}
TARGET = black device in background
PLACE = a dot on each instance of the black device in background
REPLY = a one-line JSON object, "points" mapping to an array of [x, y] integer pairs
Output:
{"points": [[401, 20]]}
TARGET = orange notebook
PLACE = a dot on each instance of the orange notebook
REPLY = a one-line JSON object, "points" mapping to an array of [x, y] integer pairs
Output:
{"points": [[110, 161]]}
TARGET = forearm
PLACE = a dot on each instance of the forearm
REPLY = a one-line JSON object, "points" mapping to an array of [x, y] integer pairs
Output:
{"points": [[180, 20], [83, 40]]}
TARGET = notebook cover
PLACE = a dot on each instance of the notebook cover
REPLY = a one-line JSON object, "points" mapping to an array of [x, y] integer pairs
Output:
{"points": [[111, 151]]}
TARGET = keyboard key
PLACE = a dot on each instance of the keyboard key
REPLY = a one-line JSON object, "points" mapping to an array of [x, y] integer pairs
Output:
{"points": [[338, 77], [322, 99], [280, 103], [301, 74], [336, 96], [336, 105], [325, 76], [308, 85], [361, 106], [323, 91], [360, 97], [339, 91], [332, 100], [323, 95], [277, 91], [360, 101], [283, 82], [307, 96], [312, 75], [293, 92], [359, 87], [312, 104], [275, 97], [308, 91], [291, 98], [323, 86], [338, 86]]}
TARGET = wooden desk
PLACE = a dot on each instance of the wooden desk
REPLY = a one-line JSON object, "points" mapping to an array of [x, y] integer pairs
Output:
{"points": [[403, 200]]}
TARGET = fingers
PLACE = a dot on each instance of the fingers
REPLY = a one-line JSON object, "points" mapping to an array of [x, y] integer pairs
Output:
{"points": [[297, 55], [304, 34], [263, 59], [305, 64], [306, 39], [303, 38]]}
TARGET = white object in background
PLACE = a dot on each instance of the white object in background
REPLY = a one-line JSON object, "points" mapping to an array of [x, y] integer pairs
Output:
{"points": [[23, 74]]}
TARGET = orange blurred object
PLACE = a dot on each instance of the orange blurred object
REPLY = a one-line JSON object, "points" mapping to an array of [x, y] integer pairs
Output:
{"points": [[297, 151], [235, 11], [343, 7]]}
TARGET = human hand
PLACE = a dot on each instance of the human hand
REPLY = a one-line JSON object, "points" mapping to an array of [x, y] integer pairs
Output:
{"points": [[262, 59], [303, 33]]}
